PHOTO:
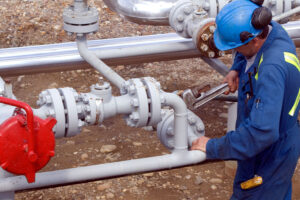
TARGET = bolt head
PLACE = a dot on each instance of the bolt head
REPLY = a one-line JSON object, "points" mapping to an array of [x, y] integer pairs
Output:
{"points": [[48, 99], [134, 102], [131, 90], [221, 53], [204, 37], [179, 28], [212, 29], [191, 120], [88, 119], [171, 143], [211, 54], [135, 117], [170, 131], [187, 10], [85, 100], [199, 127], [51, 113], [180, 18], [204, 47]]}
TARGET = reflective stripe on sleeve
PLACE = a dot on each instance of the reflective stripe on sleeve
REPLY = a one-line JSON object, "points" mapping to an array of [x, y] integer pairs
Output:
{"points": [[294, 108], [260, 61], [292, 59]]}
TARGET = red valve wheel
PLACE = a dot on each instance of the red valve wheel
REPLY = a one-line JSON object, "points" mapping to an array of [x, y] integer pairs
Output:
{"points": [[26, 145]]}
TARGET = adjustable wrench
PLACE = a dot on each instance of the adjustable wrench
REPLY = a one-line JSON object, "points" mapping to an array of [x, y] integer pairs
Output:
{"points": [[195, 99]]}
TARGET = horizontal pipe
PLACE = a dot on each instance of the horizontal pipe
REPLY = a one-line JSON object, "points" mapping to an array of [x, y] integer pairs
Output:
{"points": [[95, 172], [287, 14], [118, 51]]}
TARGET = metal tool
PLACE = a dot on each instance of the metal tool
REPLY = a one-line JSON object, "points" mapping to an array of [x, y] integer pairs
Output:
{"points": [[196, 98]]}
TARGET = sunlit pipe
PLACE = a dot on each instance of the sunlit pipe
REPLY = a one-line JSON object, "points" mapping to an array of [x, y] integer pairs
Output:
{"points": [[180, 120], [95, 62], [117, 51], [152, 12], [95, 172]]}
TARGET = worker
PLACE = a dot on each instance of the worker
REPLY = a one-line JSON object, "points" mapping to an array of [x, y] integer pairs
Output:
{"points": [[266, 73]]}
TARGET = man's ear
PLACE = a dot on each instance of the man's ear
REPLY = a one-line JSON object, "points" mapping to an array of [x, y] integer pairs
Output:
{"points": [[254, 41]]}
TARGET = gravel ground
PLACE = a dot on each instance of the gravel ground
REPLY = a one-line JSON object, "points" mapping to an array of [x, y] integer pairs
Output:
{"points": [[34, 22]]}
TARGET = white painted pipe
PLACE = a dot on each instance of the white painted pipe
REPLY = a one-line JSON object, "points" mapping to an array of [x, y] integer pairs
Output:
{"points": [[9, 195], [180, 120], [95, 62], [153, 12], [95, 172], [287, 14], [117, 105]]}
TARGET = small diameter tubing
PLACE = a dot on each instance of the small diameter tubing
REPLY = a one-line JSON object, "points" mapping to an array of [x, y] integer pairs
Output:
{"points": [[180, 120], [95, 172], [92, 59]]}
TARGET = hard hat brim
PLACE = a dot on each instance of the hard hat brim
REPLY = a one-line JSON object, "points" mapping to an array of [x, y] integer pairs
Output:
{"points": [[223, 45]]}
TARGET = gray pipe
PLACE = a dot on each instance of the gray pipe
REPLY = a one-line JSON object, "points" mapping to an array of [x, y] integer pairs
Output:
{"points": [[151, 12], [118, 51], [95, 62], [117, 105], [96, 172], [287, 14], [180, 120]]}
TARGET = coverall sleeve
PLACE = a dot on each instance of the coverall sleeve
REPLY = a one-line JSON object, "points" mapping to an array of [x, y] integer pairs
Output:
{"points": [[238, 62], [261, 129]]}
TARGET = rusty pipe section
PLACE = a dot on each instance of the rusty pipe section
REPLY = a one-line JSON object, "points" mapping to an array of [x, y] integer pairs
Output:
{"points": [[151, 12]]}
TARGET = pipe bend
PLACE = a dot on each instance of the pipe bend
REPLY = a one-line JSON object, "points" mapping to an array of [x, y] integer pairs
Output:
{"points": [[176, 103], [93, 60], [152, 12]]}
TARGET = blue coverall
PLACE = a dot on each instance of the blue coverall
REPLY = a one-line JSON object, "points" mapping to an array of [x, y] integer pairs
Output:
{"points": [[266, 141]]}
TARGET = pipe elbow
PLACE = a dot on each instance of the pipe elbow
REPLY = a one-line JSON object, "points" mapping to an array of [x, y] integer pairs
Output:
{"points": [[151, 12]]}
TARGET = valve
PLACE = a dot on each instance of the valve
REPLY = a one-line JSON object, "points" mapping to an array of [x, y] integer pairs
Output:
{"points": [[26, 142]]}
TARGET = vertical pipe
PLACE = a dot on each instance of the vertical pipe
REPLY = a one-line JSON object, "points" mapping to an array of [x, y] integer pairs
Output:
{"points": [[180, 120], [92, 59]]}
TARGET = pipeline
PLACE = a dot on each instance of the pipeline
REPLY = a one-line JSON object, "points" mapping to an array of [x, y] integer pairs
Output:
{"points": [[95, 172], [119, 51]]}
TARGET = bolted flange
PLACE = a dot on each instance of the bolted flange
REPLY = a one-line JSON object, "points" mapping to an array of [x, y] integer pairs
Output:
{"points": [[80, 19]]}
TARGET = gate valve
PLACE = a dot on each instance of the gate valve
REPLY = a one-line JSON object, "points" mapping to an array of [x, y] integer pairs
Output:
{"points": [[26, 142]]}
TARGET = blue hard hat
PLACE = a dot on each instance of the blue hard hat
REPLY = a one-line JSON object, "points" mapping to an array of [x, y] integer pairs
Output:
{"points": [[233, 19]]}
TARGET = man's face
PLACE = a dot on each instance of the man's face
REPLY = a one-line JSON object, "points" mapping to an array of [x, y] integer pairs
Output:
{"points": [[247, 50]]}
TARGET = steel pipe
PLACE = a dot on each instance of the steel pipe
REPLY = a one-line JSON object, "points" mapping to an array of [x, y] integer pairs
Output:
{"points": [[95, 172], [152, 12], [95, 62], [180, 120], [119, 51], [287, 14]]}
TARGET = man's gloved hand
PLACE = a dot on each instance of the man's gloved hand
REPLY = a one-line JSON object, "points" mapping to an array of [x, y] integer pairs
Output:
{"points": [[200, 144], [232, 78]]}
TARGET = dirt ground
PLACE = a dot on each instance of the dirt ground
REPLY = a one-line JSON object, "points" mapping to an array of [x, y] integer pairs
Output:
{"points": [[34, 22]]}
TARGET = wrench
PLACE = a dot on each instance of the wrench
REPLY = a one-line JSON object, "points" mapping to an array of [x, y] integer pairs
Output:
{"points": [[194, 100]]}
